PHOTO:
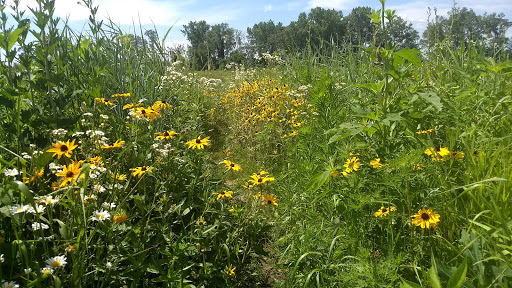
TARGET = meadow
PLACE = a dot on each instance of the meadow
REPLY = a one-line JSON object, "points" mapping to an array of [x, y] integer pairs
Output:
{"points": [[369, 167]]}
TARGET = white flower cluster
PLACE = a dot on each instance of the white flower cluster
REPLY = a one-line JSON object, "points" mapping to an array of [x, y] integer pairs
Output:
{"points": [[12, 172], [269, 59], [58, 133], [95, 171]]}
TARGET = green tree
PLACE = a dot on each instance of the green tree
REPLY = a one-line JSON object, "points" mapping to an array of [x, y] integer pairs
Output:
{"points": [[359, 26], [198, 50]]}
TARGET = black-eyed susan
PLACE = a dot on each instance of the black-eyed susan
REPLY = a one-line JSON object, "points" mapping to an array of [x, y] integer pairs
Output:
{"points": [[438, 153], [426, 218], [117, 144], [63, 148], [35, 176], [352, 165], [165, 135], [130, 106], [200, 221], [335, 173], [223, 195], [95, 160], [105, 101], [232, 166], [425, 131], [376, 163], [161, 105], [120, 177], [70, 173], [260, 180], [230, 270], [122, 95], [269, 199], [146, 113], [383, 211], [139, 171], [198, 143]]}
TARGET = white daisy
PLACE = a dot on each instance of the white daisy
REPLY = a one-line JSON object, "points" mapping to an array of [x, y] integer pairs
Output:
{"points": [[48, 200], [12, 172], [98, 188], [47, 270], [100, 215], [107, 205], [38, 226], [57, 261], [11, 284], [20, 209]]}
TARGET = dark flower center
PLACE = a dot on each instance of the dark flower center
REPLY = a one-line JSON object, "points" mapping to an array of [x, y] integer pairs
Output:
{"points": [[425, 216], [269, 202], [143, 169], [163, 102], [232, 165], [64, 148], [198, 141], [70, 174], [166, 134], [143, 111], [260, 180], [384, 210], [222, 193]]}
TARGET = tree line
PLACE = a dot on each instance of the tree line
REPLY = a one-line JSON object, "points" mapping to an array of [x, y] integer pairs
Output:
{"points": [[213, 46]]}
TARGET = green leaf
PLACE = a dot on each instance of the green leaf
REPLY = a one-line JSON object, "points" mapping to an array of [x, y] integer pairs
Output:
{"points": [[14, 36], [432, 98], [411, 55], [26, 192], [433, 278], [319, 180], [409, 284], [458, 277]]}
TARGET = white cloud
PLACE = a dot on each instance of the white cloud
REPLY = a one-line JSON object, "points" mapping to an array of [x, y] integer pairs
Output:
{"points": [[334, 4], [267, 8]]}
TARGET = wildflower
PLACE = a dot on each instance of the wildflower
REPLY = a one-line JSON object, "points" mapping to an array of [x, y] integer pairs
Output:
{"points": [[269, 200], [224, 195], [376, 163], [100, 215], [165, 135], [71, 248], [230, 270], [105, 101], [20, 209], [259, 180], [12, 172], [88, 198], [426, 131], [107, 205], [198, 143], [416, 167], [146, 113], [57, 261], [201, 221], [232, 166], [438, 153], [383, 211], [457, 155], [121, 95], [34, 177], [337, 173], [10, 284], [63, 148], [161, 105], [120, 177], [130, 106], [70, 174], [117, 144], [139, 171], [47, 270], [352, 165], [120, 218], [98, 188], [232, 209], [38, 226], [426, 218]]}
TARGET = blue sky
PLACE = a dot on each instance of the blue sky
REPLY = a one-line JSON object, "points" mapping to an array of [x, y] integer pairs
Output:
{"points": [[242, 14]]}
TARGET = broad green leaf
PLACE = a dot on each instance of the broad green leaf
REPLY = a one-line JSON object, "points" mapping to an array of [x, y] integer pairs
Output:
{"points": [[458, 277], [432, 98], [14, 36], [26, 192], [318, 180], [433, 278], [409, 284], [411, 55]]}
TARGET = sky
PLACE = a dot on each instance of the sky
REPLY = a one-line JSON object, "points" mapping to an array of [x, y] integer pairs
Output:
{"points": [[165, 14]]}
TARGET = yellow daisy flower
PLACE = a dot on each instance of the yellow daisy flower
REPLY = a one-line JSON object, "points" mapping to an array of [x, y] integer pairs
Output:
{"points": [[232, 166], [376, 163], [198, 143], [223, 195], [426, 218], [117, 144], [63, 148], [139, 171], [70, 173], [352, 165], [105, 101], [165, 135], [269, 200]]}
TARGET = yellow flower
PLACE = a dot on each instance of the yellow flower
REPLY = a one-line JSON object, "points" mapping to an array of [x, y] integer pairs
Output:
{"points": [[95, 160], [62, 148], [117, 144], [376, 163], [201, 221], [426, 218], [147, 113], [426, 131], [120, 177], [457, 155], [260, 180], [34, 177], [439, 153], [230, 270], [232, 166], [223, 195], [337, 173], [198, 143], [105, 101], [120, 218], [161, 105], [121, 95], [139, 171], [269, 200], [352, 165], [165, 135], [130, 106], [70, 173], [383, 211], [232, 209]]}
